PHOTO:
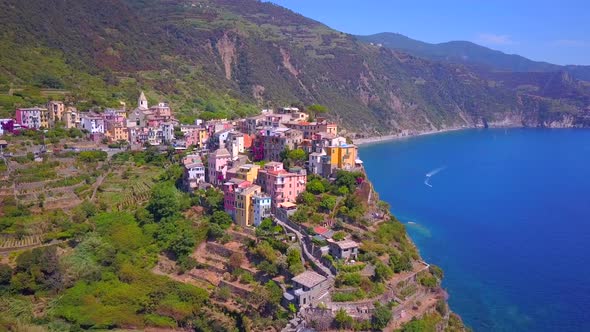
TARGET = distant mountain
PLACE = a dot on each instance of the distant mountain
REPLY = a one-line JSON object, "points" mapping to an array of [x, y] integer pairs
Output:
{"points": [[229, 58], [469, 53]]}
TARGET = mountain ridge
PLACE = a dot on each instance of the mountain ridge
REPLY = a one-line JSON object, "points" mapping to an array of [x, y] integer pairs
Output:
{"points": [[469, 53], [229, 58]]}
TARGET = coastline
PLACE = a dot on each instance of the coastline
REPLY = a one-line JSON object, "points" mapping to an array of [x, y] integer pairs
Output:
{"points": [[387, 138]]}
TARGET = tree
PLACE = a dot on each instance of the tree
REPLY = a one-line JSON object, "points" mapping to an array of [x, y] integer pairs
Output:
{"points": [[222, 219], [348, 179], [211, 199], [274, 291], [328, 203], [381, 316], [183, 243], [382, 272], [307, 198], [236, 260], [37, 269], [339, 236], [5, 274], [294, 261], [298, 156], [268, 268], [342, 319], [317, 109], [164, 201], [315, 186]]}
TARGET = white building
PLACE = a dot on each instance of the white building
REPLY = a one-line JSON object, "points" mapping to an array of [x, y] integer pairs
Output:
{"points": [[194, 175], [167, 132], [235, 144], [261, 207], [92, 122], [3, 121], [142, 102], [315, 161]]}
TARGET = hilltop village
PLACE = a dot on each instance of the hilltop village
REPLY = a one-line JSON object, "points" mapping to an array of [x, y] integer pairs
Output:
{"points": [[272, 215]]}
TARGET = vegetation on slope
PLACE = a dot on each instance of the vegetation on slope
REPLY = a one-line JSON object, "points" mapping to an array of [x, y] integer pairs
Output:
{"points": [[228, 57]]}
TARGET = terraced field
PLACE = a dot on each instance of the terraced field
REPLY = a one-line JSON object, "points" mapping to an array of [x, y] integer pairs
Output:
{"points": [[138, 194], [10, 243]]}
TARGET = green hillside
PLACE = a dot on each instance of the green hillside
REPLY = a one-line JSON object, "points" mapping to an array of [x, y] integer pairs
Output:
{"points": [[231, 57]]}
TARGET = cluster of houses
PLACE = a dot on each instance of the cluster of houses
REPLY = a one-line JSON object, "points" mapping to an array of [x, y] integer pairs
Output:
{"points": [[243, 158], [154, 125]]}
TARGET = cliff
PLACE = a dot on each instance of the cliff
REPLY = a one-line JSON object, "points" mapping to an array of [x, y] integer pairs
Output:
{"points": [[219, 58]]}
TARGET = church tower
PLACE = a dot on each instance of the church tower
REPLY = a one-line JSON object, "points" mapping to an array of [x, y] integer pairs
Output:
{"points": [[142, 102]]}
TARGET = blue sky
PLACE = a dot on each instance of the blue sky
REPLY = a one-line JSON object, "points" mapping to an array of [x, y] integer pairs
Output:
{"points": [[552, 31]]}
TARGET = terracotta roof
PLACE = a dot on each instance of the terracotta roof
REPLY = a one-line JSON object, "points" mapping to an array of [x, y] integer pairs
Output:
{"points": [[320, 230], [287, 204]]}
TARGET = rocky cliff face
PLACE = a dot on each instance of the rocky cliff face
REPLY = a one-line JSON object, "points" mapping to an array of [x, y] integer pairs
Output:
{"points": [[234, 56]]}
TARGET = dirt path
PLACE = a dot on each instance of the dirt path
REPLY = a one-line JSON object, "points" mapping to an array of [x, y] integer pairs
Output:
{"points": [[97, 184]]}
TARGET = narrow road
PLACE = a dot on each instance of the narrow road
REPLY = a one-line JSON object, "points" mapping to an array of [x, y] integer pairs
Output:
{"points": [[306, 253]]}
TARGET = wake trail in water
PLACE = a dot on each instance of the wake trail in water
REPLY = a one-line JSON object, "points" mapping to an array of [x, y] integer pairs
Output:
{"points": [[431, 174]]}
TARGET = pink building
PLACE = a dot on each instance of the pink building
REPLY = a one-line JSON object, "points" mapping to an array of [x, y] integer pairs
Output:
{"points": [[33, 118], [281, 185], [218, 165], [229, 194]]}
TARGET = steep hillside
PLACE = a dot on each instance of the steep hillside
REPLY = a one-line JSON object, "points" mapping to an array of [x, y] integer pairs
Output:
{"points": [[229, 57], [468, 53]]}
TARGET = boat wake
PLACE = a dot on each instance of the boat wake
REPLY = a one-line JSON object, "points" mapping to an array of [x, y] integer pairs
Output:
{"points": [[431, 174]]}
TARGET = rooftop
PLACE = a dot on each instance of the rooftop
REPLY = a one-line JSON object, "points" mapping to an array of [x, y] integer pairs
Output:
{"points": [[320, 230], [346, 244], [309, 279], [193, 165], [221, 153], [287, 205]]}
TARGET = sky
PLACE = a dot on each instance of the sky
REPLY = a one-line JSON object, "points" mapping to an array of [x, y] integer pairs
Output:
{"points": [[553, 31]]}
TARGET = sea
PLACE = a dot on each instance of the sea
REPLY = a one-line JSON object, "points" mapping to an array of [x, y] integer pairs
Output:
{"points": [[505, 213]]}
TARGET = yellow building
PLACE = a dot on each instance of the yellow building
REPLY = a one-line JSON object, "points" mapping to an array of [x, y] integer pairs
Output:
{"points": [[244, 214], [72, 117], [116, 132], [342, 156], [203, 137], [56, 111], [248, 172], [44, 118]]}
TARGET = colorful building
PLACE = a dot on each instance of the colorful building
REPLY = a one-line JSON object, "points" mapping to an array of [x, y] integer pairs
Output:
{"points": [[309, 129], [281, 185], [248, 172], [235, 144], [194, 135], [276, 140], [33, 118], [116, 131], [244, 214], [194, 172], [71, 117], [56, 111], [92, 122], [342, 156], [218, 165], [229, 194], [261, 207]]}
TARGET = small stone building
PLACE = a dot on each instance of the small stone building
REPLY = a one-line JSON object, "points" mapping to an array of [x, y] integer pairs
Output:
{"points": [[346, 249], [309, 288]]}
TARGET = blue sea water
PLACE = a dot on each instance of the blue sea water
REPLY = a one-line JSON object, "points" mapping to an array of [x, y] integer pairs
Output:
{"points": [[505, 213]]}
